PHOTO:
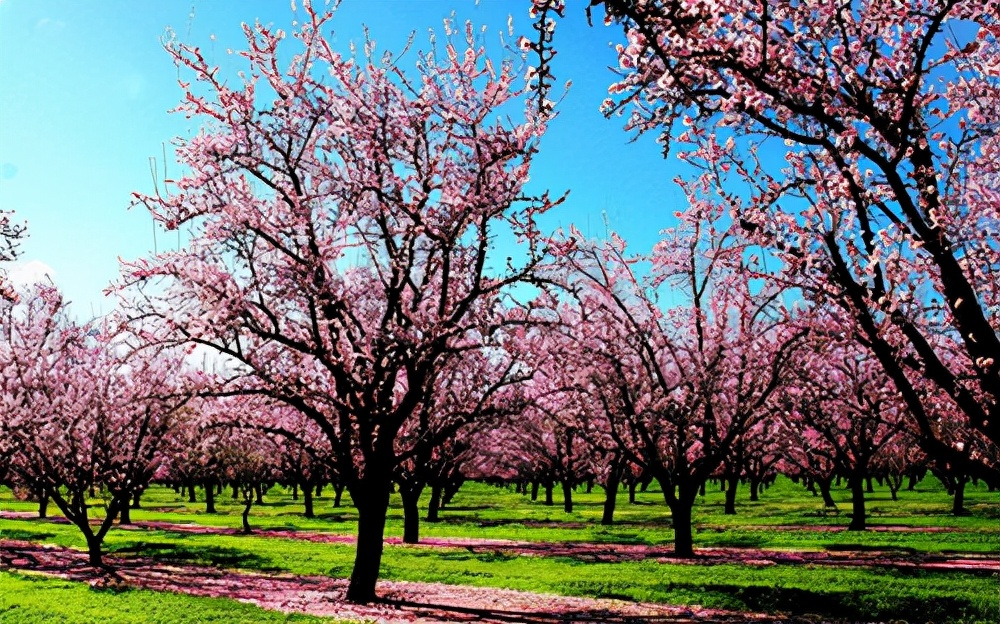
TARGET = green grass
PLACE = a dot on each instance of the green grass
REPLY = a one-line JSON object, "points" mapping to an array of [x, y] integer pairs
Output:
{"points": [[483, 511], [31, 599]]}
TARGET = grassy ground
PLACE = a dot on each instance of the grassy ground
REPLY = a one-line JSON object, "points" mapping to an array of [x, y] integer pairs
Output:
{"points": [[486, 512], [31, 599]]}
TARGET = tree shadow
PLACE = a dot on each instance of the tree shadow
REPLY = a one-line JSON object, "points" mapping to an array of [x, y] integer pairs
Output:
{"points": [[221, 556], [444, 611]]}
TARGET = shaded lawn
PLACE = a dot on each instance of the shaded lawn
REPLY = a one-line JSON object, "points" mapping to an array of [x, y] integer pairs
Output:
{"points": [[33, 599], [855, 593]]}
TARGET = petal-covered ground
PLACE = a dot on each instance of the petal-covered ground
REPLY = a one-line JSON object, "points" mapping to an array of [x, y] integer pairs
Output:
{"points": [[611, 553], [404, 602]]}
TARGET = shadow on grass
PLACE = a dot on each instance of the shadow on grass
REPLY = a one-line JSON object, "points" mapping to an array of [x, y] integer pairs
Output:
{"points": [[841, 605], [172, 552], [27, 536], [869, 548]]}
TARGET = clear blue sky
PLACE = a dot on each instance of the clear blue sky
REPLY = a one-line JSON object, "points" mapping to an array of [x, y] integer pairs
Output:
{"points": [[85, 89]]}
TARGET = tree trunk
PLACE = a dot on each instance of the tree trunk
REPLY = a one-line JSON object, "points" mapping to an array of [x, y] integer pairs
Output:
{"points": [[824, 490], [94, 554], [338, 493], [411, 514], [43, 505], [209, 497], [858, 504], [548, 493], [631, 492], [610, 498], [567, 496], [372, 502], [958, 506], [435, 504], [259, 493], [731, 486], [307, 500], [754, 489], [125, 517], [135, 499], [247, 504], [868, 485], [534, 490], [192, 495], [295, 491], [680, 512]]}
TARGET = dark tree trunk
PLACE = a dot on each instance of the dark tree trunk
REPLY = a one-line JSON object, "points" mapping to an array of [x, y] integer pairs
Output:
{"points": [[209, 497], [43, 505], [192, 495], [631, 492], [754, 489], [125, 517], [307, 500], [338, 494], [680, 513], [958, 505], [590, 486], [247, 504], [259, 493], [435, 504], [295, 491], [411, 514], [236, 492], [548, 493], [858, 520], [534, 490], [701, 491], [94, 554], [911, 482], [567, 496], [824, 490], [135, 500], [868, 485], [372, 502], [732, 483], [610, 498]]}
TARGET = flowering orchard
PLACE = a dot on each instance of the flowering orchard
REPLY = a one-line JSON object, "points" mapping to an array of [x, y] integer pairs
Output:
{"points": [[832, 314]]}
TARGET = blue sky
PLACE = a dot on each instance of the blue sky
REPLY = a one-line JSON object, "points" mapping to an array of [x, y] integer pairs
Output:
{"points": [[85, 90]]}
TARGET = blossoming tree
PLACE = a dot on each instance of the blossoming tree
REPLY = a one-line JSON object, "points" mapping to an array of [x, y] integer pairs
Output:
{"points": [[343, 215]]}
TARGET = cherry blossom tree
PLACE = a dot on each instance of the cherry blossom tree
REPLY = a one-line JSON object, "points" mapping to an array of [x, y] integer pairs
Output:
{"points": [[11, 234], [844, 398], [683, 380], [343, 216], [887, 200], [86, 408]]}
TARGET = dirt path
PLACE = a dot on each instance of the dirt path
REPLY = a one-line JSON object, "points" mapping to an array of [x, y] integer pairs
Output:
{"points": [[983, 563], [403, 602]]}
